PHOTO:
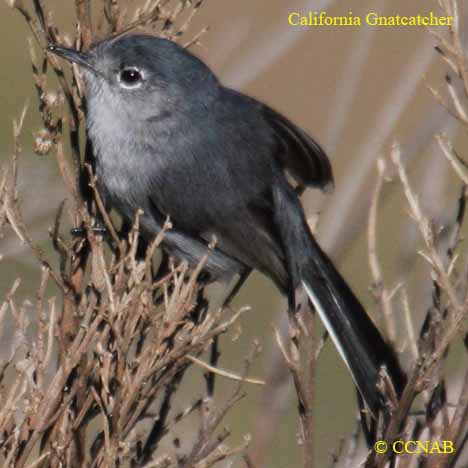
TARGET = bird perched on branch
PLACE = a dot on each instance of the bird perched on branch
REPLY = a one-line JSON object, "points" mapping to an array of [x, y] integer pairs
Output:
{"points": [[171, 140]]}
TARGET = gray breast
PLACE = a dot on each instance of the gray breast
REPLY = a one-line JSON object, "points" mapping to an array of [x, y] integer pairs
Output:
{"points": [[116, 147]]}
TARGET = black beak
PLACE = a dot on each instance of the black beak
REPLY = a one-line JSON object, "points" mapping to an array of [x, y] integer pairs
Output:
{"points": [[80, 58]]}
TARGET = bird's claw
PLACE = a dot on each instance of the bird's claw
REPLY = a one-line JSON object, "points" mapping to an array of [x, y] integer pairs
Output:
{"points": [[98, 230]]}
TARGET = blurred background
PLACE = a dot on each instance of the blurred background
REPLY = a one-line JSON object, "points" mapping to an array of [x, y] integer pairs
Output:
{"points": [[356, 90]]}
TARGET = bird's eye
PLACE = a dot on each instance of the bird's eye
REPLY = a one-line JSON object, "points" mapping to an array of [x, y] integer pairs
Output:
{"points": [[130, 78]]}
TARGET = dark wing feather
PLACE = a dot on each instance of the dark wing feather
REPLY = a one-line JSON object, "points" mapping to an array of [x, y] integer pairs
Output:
{"points": [[300, 155]]}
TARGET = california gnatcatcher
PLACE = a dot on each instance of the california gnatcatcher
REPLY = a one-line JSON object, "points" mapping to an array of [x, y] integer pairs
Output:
{"points": [[171, 140]]}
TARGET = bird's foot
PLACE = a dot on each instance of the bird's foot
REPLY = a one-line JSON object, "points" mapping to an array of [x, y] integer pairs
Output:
{"points": [[98, 229]]}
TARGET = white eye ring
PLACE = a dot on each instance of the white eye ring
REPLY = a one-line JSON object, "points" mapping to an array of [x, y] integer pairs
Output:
{"points": [[130, 78]]}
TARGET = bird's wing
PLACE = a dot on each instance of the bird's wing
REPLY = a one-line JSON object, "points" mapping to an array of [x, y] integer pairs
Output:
{"points": [[217, 172], [297, 153], [214, 184], [300, 154]]}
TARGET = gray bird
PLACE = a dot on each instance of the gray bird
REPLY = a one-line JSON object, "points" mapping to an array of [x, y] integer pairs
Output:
{"points": [[171, 140]]}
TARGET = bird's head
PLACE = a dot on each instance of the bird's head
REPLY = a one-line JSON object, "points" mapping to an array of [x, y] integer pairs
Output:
{"points": [[137, 73]]}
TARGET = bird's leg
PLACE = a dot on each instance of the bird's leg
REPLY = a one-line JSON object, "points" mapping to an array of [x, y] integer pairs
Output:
{"points": [[210, 377], [244, 274]]}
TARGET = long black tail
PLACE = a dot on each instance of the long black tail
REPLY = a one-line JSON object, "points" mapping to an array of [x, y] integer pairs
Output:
{"points": [[355, 336]]}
